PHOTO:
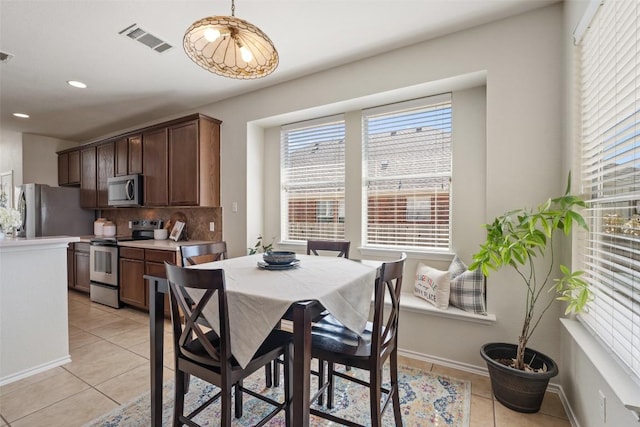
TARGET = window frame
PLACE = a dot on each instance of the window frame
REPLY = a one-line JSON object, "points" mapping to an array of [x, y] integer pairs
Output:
{"points": [[409, 107]]}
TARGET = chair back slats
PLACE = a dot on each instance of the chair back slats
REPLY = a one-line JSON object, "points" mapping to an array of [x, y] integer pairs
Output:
{"points": [[205, 252], [185, 334], [339, 246], [384, 336]]}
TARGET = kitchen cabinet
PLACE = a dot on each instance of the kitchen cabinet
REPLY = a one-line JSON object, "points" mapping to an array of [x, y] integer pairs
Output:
{"points": [[74, 167], [155, 165], [88, 179], [63, 169], [154, 266], [180, 161], [128, 156], [69, 168], [194, 163], [183, 164], [106, 170], [134, 264], [133, 289], [78, 267]]}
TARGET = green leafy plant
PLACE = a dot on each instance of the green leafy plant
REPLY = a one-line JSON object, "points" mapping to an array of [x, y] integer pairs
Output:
{"points": [[261, 247], [516, 238]]}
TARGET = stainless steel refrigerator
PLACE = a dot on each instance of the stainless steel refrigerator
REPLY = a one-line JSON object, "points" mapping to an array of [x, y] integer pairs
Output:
{"points": [[53, 211]]}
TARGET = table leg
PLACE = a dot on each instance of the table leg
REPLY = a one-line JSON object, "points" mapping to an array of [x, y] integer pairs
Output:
{"points": [[156, 326], [302, 315]]}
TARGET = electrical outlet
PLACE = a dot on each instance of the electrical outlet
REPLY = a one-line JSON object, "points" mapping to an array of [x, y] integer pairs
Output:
{"points": [[234, 207], [603, 406], [212, 226], [130, 225]]}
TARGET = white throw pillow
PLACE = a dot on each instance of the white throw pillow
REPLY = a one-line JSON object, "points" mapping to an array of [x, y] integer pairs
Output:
{"points": [[432, 285]]}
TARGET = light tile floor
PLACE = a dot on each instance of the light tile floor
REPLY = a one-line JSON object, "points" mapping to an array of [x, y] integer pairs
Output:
{"points": [[110, 351]]}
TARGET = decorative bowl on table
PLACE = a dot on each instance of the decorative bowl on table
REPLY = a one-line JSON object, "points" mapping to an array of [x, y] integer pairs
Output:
{"points": [[279, 257]]}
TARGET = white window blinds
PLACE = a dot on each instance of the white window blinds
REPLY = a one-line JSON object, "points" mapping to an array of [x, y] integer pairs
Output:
{"points": [[610, 161], [407, 167], [313, 179]]}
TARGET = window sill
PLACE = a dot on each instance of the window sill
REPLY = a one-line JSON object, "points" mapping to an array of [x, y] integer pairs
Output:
{"points": [[366, 251], [410, 302], [625, 388]]}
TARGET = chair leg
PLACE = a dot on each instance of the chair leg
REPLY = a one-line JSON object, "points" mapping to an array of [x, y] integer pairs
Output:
{"points": [[178, 398], [395, 388], [225, 407], [276, 373], [288, 386], [187, 382], [238, 399], [320, 380], [331, 387], [268, 377], [375, 393]]}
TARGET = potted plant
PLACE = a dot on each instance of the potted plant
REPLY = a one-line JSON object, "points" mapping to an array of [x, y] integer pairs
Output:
{"points": [[520, 375]]}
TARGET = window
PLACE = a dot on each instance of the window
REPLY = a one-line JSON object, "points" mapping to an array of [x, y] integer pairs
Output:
{"points": [[610, 161], [313, 179], [407, 168]]}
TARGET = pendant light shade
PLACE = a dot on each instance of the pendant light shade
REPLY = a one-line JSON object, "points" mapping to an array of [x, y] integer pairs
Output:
{"points": [[230, 47]]}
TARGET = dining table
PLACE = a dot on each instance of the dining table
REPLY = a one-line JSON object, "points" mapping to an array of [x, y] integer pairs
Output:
{"points": [[258, 297]]}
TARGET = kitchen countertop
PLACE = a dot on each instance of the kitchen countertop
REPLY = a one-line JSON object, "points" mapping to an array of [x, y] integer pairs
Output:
{"points": [[13, 242], [166, 245]]}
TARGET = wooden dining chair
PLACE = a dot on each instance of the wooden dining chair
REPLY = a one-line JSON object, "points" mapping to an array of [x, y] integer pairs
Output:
{"points": [[341, 247], [203, 252], [215, 251], [314, 247], [201, 352], [334, 343]]}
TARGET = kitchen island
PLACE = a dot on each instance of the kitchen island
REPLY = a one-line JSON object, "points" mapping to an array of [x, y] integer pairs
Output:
{"points": [[34, 335]]}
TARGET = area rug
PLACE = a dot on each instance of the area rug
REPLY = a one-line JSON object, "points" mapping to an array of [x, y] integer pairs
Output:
{"points": [[426, 399]]}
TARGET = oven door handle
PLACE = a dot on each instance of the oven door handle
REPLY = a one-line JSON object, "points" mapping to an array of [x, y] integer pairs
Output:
{"points": [[104, 244]]}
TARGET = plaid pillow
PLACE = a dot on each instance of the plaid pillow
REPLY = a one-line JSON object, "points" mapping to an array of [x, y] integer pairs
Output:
{"points": [[467, 288]]}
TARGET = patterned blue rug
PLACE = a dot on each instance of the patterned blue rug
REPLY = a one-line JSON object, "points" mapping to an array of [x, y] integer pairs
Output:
{"points": [[426, 399]]}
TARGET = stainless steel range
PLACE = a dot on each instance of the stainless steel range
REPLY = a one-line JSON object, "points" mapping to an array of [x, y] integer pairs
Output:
{"points": [[103, 261]]}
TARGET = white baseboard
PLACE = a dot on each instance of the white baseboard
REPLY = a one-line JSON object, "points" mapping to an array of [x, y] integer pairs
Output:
{"points": [[35, 370], [553, 387]]}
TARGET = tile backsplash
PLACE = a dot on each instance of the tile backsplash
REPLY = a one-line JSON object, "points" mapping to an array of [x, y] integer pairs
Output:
{"points": [[198, 220]]}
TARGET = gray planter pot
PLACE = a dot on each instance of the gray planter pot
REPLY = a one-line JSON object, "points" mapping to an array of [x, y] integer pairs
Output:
{"points": [[518, 390]]}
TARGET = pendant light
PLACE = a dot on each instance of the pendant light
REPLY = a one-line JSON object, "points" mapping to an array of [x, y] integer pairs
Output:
{"points": [[230, 47]]}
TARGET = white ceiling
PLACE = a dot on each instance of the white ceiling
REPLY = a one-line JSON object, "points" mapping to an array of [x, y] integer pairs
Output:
{"points": [[128, 84]]}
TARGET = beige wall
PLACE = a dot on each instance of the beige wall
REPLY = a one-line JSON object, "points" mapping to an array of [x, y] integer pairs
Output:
{"points": [[31, 157], [11, 155], [40, 158]]}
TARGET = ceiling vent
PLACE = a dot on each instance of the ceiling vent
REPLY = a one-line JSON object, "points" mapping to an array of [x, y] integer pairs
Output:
{"points": [[134, 32], [5, 57]]}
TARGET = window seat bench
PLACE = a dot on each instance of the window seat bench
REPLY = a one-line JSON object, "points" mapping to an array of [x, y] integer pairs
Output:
{"points": [[410, 302]]}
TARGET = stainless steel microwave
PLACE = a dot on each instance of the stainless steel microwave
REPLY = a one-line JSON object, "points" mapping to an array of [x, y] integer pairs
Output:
{"points": [[125, 190]]}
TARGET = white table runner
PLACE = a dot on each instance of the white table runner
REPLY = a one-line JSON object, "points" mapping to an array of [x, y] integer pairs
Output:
{"points": [[257, 298]]}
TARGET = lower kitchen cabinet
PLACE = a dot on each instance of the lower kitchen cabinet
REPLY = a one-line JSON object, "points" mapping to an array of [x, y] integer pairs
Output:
{"points": [[134, 264], [133, 290], [78, 267]]}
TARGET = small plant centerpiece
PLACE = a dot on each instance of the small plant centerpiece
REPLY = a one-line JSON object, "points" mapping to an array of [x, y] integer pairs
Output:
{"points": [[516, 239], [261, 247]]}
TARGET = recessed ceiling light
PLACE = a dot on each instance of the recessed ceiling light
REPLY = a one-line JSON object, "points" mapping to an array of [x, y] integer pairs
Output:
{"points": [[21, 115], [77, 84]]}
